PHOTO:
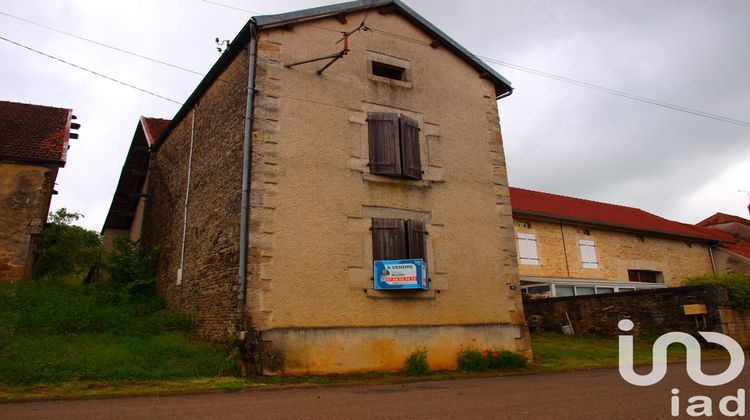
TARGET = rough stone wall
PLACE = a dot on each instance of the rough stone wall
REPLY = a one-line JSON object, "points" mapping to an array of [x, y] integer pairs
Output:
{"points": [[737, 325], [209, 277], [652, 311], [616, 253], [313, 197], [25, 192]]}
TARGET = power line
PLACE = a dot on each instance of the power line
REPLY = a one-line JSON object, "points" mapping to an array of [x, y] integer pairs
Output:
{"points": [[215, 3], [584, 84], [91, 71], [101, 44]]}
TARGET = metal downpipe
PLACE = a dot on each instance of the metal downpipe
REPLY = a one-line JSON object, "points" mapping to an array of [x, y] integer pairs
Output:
{"points": [[247, 152]]}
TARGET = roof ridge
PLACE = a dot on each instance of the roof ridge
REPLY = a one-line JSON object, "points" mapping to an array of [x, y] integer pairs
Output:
{"points": [[39, 105], [587, 199]]}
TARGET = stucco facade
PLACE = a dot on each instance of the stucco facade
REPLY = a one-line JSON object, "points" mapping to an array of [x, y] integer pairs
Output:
{"points": [[616, 252], [310, 304], [25, 193]]}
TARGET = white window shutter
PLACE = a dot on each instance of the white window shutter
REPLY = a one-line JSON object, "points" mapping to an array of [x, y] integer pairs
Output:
{"points": [[588, 253], [527, 253]]}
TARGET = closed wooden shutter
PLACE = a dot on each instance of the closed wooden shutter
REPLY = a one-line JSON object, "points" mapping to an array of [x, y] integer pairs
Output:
{"points": [[411, 164], [389, 239], [527, 253], [383, 134], [588, 254], [416, 235]]}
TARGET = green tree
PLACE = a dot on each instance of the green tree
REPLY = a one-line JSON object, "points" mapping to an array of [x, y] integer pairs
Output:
{"points": [[737, 284], [68, 251]]}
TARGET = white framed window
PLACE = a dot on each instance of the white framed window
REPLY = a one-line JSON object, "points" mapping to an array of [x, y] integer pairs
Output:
{"points": [[588, 253], [527, 253]]}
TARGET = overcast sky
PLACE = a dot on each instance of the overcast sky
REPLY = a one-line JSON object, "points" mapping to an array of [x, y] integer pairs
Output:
{"points": [[559, 138]]}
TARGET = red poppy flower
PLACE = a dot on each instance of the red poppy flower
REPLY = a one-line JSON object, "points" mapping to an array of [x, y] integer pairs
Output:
{"points": [[494, 354], [474, 340], [484, 352]]}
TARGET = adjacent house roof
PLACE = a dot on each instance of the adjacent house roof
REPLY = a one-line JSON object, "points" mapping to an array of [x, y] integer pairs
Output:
{"points": [[587, 212], [720, 218], [133, 175], [741, 247], [34, 133], [259, 23]]}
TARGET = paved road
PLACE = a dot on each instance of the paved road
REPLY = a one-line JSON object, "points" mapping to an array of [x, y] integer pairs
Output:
{"points": [[591, 394]]}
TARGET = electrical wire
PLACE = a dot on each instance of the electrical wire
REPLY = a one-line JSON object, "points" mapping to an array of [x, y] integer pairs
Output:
{"points": [[101, 44], [252, 12], [91, 71], [580, 83]]}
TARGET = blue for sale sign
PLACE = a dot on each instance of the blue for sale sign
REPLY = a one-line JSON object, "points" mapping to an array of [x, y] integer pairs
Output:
{"points": [[400, 275]]}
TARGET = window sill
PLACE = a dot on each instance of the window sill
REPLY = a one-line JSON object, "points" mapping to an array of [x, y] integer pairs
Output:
{"points": [[392, 82], [402, 294], [392, 180]]}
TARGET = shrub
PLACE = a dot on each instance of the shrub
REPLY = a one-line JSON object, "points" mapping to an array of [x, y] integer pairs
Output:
{"points": [[737, 285], [132, 271], [504, 359], [67, 252], [416, 363], [473, 360]]}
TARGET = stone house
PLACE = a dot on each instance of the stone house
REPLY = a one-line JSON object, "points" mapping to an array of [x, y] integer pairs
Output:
{"points": [[321, 141], [570, 246], [125, 216], [733, 254], [33, 148]]}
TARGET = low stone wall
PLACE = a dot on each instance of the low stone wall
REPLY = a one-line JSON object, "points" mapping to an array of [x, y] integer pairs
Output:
{"points": [[654, 311]]}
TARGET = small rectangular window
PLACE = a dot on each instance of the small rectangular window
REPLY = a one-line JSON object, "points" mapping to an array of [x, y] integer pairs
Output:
{"points": [[527, 253], [588, 254], [525, 225], [388, 70], [644, 276]]}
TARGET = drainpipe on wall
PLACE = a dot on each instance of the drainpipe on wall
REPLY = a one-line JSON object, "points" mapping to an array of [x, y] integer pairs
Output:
{"points": [[187, 197], [247, 153], [711, 254]]}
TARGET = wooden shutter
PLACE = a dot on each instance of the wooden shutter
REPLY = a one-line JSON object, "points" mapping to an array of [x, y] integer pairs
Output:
{"points": [[389, 239], [385, 153], [411, 162], [588, 254], [527, 253], [416, 239]]}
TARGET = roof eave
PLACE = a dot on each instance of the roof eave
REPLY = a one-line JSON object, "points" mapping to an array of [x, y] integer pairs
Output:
{"points": [[503, 86], [554, 217]]}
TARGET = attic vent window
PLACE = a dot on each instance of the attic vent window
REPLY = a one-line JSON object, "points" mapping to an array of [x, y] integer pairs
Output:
{"points": [[387, 70]]}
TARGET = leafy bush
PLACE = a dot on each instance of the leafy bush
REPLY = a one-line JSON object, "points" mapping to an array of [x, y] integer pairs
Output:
{"points": [[132, 271], [473, 360], [416, 363], [67, 252], [737, 284]]}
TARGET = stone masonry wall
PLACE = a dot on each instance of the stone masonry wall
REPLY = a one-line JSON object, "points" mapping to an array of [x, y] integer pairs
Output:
{"points": [[25, 191], [210, 274], [653, 311]]}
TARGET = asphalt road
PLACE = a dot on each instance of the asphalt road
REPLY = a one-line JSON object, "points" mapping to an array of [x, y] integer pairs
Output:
{"points": [[588, 394]]}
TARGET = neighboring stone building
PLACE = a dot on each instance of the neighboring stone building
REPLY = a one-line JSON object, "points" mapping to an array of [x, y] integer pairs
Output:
{"points": [[570, 246], [733, 254], [393, 151], [125, 216], [33, 147]]}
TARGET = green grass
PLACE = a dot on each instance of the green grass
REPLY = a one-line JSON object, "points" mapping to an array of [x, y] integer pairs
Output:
{"points": [[556, 351], [54, 333]]}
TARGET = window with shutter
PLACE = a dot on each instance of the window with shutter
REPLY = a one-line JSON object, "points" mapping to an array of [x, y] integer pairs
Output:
{"points": [[527, 253], [410, 158], [389, 239], [394, 145], [398, 239], [588, 254]]}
